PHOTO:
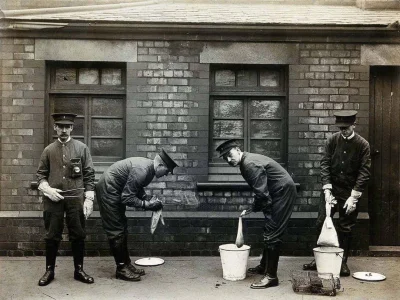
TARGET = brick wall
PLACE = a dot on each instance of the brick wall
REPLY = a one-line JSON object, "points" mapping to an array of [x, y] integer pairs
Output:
{"points": [[168, 106], [191, 236], [22, 126], [328, 78]]}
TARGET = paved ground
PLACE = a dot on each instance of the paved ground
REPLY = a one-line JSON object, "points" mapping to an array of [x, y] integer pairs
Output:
{"points": [[183, 278]]}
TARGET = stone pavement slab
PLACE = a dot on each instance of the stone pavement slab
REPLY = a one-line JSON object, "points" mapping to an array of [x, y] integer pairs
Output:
{"points": [[189, 278]]}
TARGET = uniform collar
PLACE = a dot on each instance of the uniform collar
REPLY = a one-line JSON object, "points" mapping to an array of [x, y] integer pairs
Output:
{"points": [[69, 138], [348, 138]]}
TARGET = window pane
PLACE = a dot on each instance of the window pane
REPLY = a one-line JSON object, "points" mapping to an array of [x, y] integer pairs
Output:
{"points": [[74, 105], [111, 77], [107, 127], [266, 109], [78, 127], [227, 128], [265, 129], [107, 107], [65, 76], [268, 148], [88, 76], [247, 78], [106, 147], [269, 78], [228, 109], [224, 78], [216, 143]]}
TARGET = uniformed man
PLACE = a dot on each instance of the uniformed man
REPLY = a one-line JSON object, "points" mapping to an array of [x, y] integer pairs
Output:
{"points": [[275, 193], [121, 185], [345, 171], [66, 177]]}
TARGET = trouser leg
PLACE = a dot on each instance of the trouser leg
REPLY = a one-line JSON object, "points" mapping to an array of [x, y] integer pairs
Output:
{"points": [[119, 250], [78, 252], [127, 259], [345, 244], [260, 269], [270, 278]]}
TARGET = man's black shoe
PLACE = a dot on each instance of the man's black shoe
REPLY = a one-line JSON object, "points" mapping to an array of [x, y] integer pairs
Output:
{"points": [[257, 270], [47, 277], [80, 275], [344, 270], [124, 273], [312, 266], [134, 270], [265, 282]]}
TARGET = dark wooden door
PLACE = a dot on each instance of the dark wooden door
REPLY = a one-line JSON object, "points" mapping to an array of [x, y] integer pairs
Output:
{"points": [[384, 196]]}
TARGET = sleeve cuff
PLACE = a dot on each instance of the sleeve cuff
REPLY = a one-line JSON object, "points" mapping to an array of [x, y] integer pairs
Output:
{"points": [[355, 194], [327, 186]]}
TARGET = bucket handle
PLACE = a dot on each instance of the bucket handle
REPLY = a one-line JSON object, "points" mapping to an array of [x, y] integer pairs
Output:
{"points": [[338, 254]]}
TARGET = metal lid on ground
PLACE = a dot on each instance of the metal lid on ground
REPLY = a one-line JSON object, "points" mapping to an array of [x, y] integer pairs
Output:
{"points": [[149, 262], [369, 276]]}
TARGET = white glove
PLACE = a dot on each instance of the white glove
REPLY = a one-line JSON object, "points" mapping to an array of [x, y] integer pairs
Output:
{"points": [[246, 212], [351, 202], [87, 208], [329, 197], [49, 192], [89, 195]]}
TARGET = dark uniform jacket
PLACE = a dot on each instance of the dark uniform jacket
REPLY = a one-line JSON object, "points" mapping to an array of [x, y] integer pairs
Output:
{"points": [[55, 166], [275, 193], [346, 163], [266, 177], [123, 182]]}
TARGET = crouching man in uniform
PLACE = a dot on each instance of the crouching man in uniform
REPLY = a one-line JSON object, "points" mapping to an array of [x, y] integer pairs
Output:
{"points": [[66, 177], [275, 194], [122, 185], [345, 171]]}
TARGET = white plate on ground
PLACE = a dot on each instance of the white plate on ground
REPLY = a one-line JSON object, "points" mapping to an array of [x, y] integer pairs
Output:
{"points": [[369, 276], [149, 261]]}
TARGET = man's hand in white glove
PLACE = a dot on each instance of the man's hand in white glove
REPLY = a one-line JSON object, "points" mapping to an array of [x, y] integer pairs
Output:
{"points": [[329, 197], [87, 208], [88, 204], [49, 192], [351, 202], [89, 195]]}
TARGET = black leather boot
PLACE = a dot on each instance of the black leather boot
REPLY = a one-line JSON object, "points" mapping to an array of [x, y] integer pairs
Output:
{"points": [[260, 269], [270, 278], [78, 250], [47, 277], [345, 243], [128, 261], [118, 250], [51, 254], [312, 266]]}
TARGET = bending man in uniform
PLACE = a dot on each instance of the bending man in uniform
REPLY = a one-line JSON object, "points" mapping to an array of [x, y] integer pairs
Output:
{"points": [[122, 185], [345, 171], [66, 178], [275, 194]]}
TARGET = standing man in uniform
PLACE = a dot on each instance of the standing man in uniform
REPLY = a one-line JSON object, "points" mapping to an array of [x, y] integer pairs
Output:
{"points": [[275, 194], [345, 171], [66, 177], [122, 185]]}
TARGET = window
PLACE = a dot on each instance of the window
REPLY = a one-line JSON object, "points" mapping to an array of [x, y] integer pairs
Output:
{"points": [[247, 104], [96, 93]]}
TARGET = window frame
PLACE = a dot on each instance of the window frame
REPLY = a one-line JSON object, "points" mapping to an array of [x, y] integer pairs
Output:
{"points": [[247, 94], [89, 92]]}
